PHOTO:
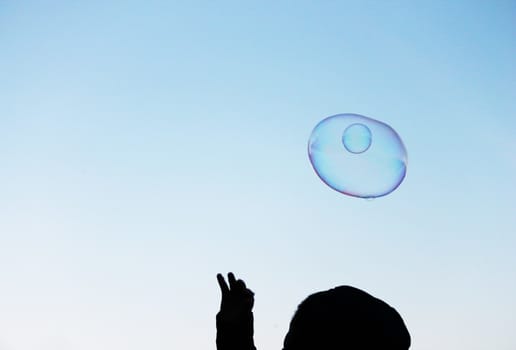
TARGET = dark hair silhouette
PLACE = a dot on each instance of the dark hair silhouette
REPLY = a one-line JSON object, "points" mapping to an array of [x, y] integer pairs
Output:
{"points": [[346, 318], [342, 318]]}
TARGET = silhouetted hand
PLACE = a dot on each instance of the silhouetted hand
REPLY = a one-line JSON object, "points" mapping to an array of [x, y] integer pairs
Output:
{"points": [[235, 318]]}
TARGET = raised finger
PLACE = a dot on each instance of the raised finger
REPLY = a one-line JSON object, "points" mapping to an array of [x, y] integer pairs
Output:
{"points": [[232, 280], [222, 284]]}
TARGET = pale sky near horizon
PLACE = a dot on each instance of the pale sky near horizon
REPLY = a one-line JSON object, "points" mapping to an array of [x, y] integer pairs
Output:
{"points": [[146, 146]]}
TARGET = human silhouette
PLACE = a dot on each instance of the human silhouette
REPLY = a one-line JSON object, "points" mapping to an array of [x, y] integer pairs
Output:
{"points": [[342, 318]]}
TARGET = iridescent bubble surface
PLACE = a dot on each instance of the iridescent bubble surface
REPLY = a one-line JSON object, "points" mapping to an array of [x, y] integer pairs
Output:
{"points": [[358, 156]]}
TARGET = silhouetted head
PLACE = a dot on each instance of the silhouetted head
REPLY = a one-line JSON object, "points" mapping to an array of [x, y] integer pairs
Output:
{"points": [[346, 318]]}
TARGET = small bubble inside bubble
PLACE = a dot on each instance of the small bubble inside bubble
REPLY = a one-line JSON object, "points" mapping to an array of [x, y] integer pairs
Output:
{"points": [[357, 138]]}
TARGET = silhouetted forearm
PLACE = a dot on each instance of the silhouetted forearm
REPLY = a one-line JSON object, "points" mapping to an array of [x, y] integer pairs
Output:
{"points": [[235, 335]]}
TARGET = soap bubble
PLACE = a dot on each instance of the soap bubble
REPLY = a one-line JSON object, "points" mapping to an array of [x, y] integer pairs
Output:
{"points": [[357, 138], [357, 155]]}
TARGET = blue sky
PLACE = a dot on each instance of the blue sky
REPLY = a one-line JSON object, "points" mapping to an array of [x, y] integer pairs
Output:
{"points": [[146, 146]]}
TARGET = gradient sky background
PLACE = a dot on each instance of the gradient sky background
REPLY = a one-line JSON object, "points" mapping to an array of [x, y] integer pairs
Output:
{"points": [[147, 145]]}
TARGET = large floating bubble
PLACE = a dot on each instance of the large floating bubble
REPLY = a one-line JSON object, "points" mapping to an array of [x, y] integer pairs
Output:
{"points": [[357, 155]]}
